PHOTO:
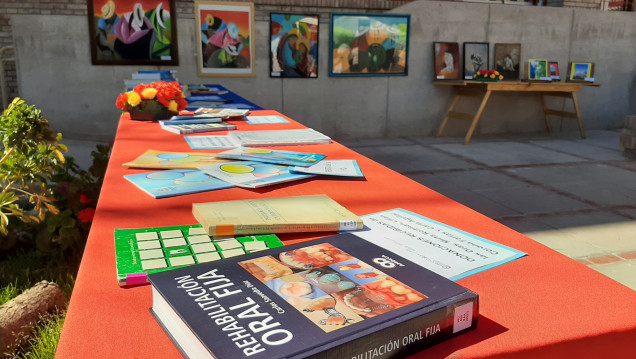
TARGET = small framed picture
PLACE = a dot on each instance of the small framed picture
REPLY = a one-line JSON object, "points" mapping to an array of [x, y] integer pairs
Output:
{"points": [[293, 47], [581, 72], [475, 58], [508, 61], [553, 67], [446, 60], [538, 69]]}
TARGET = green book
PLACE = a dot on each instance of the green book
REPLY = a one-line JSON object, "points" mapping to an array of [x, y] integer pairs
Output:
{"points": [[142, 251]]}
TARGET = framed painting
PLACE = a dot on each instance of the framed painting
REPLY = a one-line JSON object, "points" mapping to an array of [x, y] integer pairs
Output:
{"points": [[581, 72], [293, 41], [538, 69], [225, 38], [446, 60], [475, 58], [553, 67], [508, 61], [142, 32], [369, 45]]}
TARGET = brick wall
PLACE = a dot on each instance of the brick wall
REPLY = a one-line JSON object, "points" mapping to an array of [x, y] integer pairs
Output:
{"points": [[185, 9]]}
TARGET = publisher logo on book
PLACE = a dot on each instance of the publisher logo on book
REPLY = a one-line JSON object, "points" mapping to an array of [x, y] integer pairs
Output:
{"points": [[387, 262]]}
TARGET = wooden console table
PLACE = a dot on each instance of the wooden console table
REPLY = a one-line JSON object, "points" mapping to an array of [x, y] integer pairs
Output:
{"points": [[483, 91]]}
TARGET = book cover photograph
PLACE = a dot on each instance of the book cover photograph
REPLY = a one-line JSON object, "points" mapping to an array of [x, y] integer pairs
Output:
{"points": [[290, 158], [335, 297], [313, 213], [140, 251], [252, 174], [174, 160], [167, 183]]}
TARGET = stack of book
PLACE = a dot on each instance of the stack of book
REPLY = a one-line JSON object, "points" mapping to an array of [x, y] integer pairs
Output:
{"points": [[202, 120]]}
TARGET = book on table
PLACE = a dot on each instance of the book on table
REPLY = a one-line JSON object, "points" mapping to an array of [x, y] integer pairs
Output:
{"points": [[290, 158], [252, 174], [195, 118], [305, 136], [335, 297], [343, 168], [197, 127], [141, 251], [168, 183], [173, 160], [314, 213]]}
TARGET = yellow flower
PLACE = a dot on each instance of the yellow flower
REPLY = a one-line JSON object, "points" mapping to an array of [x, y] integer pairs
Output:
{"points": [[172, 107], [492, 76], [500, 77], [133, 98], [497, 73], [149, 93]]}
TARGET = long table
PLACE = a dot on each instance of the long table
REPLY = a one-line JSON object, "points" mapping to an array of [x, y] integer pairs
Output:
{"points": [[544, 305], [483, 90]]}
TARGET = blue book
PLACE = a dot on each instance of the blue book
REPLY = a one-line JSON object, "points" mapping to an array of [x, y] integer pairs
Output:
{"points": [[252, 174], [334, 297], [196, 118], [169, 183], [290, 158]]}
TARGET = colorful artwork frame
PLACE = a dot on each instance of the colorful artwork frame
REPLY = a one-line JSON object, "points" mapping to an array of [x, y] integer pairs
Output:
{"points": [[508, 61], [580, 72], [225, 38], [538, 70], [553, 67], [293, 48], [446, 61], [369, 44], [476, 58], [141, 32]]}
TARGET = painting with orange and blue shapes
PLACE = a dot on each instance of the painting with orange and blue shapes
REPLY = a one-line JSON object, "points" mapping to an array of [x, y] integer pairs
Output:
{"points": [[225, 42], [138, 32], [369, 45], [293, 45]]}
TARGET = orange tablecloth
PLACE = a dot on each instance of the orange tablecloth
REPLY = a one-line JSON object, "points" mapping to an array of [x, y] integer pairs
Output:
{"points": [[542, 305]]}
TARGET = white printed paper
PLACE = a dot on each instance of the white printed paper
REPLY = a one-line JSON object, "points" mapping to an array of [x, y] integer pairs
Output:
{"points": [[445, 250], [262, 120], [212, 142], [347, 168]]}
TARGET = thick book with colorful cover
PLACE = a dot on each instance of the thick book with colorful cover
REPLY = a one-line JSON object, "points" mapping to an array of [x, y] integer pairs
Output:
{"points": [[314, 213], [305, 136], [198, 127], [335, 297], [169, 183], [141, 251], [174, 160], [290, 158], [252, 174]]}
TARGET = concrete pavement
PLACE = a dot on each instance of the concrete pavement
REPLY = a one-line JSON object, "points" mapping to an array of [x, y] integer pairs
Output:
{"points": [[576, 196]]}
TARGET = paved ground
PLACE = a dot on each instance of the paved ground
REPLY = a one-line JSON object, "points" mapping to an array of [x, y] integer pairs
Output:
{"points": [[575, 196]]}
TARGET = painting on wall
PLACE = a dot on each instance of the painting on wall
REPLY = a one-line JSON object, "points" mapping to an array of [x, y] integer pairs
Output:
{"points": [[538, 69], [446, 60], [141, 32], [225, 38], [293, 45], [554, 70], [475, 58], [581, 72], [369, 45], [508, 61]]}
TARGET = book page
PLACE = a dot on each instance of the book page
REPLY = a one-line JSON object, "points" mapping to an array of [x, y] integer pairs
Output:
{"points": [[445, 250]]}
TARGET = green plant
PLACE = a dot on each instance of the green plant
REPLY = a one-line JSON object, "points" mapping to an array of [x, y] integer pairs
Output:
{"points": [[30, 155]]}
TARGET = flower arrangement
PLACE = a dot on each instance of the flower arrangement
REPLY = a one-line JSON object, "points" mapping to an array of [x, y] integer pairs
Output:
{"points": [[488, 75], [154, 101]]}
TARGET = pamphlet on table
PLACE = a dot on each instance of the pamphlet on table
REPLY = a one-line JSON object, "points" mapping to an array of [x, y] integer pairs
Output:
{"points": [[265, 120], [345, 168], [447, 251], [335, 297], [173, 160], [198, 127], [290, 158], [141, 251], [252, 174], [168, 183]]}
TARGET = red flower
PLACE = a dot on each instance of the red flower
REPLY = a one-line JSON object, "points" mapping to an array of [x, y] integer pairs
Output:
{"points": [[84, 199], [86, 215], [121, 100]]}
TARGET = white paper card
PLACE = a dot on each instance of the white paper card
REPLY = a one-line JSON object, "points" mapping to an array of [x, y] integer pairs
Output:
{"points": [[261, 120], [347, 168], [212, 142]]}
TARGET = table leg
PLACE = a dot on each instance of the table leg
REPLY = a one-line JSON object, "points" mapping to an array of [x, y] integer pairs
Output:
{"points": [[575, 98], [450, 109], [545, 114], [477, 116]]}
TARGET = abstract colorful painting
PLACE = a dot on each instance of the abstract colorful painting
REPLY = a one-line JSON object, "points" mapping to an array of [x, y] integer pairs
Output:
{"points": [[446, 60], [369, 45], [138, 32], [225, 38], [537, 69], [293, 45]]}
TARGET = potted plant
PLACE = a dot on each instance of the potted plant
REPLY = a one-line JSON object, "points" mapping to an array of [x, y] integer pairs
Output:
{"points": [[153, 102]]}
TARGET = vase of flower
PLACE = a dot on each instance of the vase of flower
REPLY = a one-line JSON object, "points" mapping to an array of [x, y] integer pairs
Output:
{"points": [[487, 76], [153, 102]]}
